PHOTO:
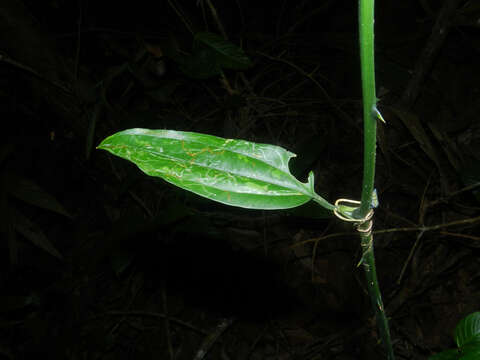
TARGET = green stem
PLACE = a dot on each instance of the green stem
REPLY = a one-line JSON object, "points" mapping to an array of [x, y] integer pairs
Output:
{"points": [[368, 262], [366, 21], [366, 18]]}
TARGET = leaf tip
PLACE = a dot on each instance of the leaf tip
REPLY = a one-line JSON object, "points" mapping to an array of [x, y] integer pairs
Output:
{"points": [[102, 145]]}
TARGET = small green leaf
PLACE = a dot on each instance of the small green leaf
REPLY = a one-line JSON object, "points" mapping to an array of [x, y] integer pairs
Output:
{"points": [[234, 172], [468, 330], [210, 54], [227, 55]]}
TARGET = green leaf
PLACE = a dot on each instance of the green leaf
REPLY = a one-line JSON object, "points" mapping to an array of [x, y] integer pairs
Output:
{"points": [[451, 354], [233, 172], [227, 55], [468, 330], [210, 54], [471, 350]]}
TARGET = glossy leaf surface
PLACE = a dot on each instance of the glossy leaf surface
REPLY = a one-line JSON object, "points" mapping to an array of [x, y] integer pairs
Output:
{"points": [[234, 172]]}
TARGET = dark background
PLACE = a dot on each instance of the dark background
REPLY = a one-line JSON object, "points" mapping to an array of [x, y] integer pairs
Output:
{"points": [[99, 261]]}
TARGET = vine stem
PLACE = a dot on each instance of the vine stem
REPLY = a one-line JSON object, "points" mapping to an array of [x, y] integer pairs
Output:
{"points": [[370, 116], [368, 263]]}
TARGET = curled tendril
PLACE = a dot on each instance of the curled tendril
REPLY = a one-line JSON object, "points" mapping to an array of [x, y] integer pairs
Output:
{"points": [[358, 223]]}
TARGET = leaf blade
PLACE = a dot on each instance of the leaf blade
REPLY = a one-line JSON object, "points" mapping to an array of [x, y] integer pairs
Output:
{"points": [[468, 330], [233, 172]]}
